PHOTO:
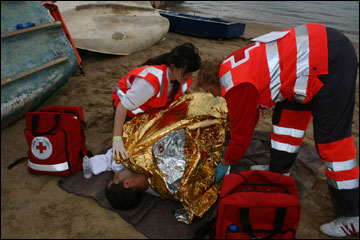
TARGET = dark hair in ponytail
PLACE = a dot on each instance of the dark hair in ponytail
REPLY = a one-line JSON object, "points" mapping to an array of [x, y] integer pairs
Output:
{"points": [[181, 56], [184, 55]]}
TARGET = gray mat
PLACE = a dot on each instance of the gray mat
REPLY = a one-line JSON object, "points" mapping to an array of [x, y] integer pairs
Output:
{"points": [[155, 217]]}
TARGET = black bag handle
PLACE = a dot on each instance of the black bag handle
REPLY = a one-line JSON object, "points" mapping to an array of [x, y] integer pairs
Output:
{"points": [[278, 222], [35, 122]]}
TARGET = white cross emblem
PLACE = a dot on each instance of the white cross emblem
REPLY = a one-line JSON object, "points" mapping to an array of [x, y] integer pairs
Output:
{"points": [[41, 147]]}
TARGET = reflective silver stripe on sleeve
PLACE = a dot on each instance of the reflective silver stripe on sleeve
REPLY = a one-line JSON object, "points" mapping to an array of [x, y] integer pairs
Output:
{"points": [[49, 168], [341, 166], [121, 95], [184, 87], [137, 111], [348, 184], [302, 63], [284, 147], [273, 59], [158, 73], [292, 132], [226, 80]]}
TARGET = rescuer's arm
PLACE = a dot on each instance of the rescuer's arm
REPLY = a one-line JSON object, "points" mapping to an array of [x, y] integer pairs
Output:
{"points": [[242, 106]]}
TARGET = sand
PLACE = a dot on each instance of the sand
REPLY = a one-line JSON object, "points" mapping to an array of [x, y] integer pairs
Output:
{"points": [[33, 206]]}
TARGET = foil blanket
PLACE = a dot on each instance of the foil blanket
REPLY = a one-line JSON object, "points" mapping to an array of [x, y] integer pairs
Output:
{"points": [[178, 148]]}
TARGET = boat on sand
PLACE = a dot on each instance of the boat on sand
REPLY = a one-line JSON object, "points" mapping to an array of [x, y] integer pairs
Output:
{"points": [[210, 27], [36, 58], [116, 27]]}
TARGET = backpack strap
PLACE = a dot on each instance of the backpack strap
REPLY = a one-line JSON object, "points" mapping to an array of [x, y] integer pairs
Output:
{"points": [[35, 123], [278, 223], [245, 222], [16, 162]]}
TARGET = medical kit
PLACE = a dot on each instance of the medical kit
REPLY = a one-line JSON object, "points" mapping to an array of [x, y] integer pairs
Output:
{"points": [[257, 204], [56, 140]]}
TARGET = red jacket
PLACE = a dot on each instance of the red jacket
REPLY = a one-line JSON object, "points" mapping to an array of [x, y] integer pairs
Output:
{"points": [[156, 75], [262, 74], [287, 68]]}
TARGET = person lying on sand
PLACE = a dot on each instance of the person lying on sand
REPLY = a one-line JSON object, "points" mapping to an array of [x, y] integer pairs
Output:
{"points": [[174, 152]]}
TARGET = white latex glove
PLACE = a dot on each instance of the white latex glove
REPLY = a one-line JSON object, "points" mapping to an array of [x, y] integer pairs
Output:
{"points": [[119, 148]]}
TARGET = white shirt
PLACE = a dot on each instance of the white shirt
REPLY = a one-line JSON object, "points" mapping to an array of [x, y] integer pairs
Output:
{"points": [[140, 92], [105, 162]]}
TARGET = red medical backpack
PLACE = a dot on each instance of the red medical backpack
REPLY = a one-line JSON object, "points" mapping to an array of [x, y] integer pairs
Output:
{"points": [[56, 139], [257, 204]]}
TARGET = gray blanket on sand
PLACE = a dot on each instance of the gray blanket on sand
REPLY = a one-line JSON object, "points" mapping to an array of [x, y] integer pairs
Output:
{"points": [[155, 217]]}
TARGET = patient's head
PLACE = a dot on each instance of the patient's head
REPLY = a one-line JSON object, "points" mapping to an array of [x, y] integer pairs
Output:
{"points": [[208, 77], [126, 189]]}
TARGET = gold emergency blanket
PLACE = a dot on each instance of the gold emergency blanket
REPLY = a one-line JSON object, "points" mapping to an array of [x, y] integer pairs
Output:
{"points": [[204, 120]]}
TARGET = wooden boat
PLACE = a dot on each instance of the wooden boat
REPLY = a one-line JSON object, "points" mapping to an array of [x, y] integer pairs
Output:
{"points": [[203, 26], [35, 61], [117, 27]]}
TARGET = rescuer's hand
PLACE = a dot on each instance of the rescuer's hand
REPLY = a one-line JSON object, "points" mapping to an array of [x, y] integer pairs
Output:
{"points": [[220, 171], [118, 149]]}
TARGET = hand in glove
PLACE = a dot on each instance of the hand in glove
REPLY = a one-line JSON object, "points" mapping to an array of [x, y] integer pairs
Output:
{"points": [[220, 171], [118, 149]]}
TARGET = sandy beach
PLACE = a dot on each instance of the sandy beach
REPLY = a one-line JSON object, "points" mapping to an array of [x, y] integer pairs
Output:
{"points": [[33, 206]]}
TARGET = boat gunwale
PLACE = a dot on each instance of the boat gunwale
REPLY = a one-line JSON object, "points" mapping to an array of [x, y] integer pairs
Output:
{"points": [[200, 18], [89, 5], [10, 79], [56, 24]]}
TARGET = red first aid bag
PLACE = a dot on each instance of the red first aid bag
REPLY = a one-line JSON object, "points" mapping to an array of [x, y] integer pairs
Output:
{"points": [[258, 204], [56, 139]]}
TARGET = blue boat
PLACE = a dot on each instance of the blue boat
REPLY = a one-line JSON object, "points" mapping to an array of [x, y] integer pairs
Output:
{"points": [[36, 58], [203, 26]]}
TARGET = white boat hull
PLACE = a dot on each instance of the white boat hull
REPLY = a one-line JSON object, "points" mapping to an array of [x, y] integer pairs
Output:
{"points": [[117, 28]]}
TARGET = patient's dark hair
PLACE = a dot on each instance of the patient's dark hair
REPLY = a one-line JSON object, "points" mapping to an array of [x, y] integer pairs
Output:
{"points": [[122, 198], [209, 72]]}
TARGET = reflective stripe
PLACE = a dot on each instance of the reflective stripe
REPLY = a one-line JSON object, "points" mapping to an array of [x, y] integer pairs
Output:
{"points": [[226, 80], [121, 95], [302, 66], [137, 111], [184, 87], [348, 184], [284, 147], [341, 166], [273, 59], [302, 63], [49, 168], [161, 91], [288, 131], [246, 53], [156, 72]]}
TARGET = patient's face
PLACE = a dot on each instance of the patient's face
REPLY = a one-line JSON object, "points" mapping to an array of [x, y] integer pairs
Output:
{"points": [[130, 179]]}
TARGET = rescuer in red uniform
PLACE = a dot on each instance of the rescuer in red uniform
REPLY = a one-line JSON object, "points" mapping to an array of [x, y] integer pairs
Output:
{"points": [[305, 72], [160, 81]]}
